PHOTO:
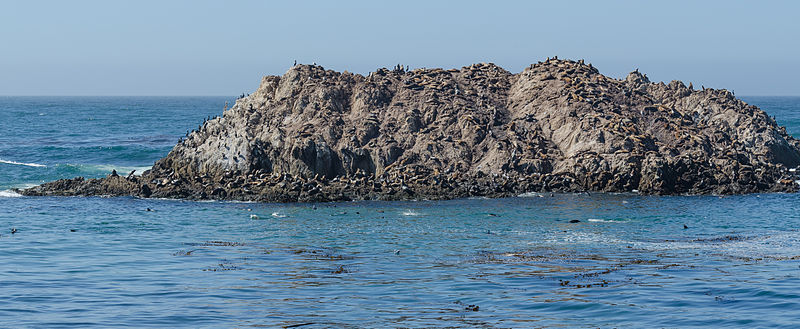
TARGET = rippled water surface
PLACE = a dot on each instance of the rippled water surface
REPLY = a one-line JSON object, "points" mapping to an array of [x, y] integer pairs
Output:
{"points": [[514, 262]]}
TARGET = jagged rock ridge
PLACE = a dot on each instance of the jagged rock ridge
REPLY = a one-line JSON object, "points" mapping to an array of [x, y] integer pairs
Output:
{"points": [[559, 125]]}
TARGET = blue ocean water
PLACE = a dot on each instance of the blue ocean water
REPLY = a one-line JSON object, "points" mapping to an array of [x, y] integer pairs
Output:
{"points": [[513, 262]]}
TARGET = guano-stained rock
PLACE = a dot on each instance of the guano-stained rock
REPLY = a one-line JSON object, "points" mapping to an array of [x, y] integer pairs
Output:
{"points": [[559, 125]]}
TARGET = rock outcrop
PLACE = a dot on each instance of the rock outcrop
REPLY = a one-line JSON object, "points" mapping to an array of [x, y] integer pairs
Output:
{"points": [[559, 125]]}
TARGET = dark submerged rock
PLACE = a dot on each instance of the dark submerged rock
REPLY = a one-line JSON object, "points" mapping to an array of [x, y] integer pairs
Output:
{"points": [[317, 135]]}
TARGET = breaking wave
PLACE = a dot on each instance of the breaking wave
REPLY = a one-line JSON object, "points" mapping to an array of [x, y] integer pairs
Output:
{"points": [[9, 194], [29, 164]]}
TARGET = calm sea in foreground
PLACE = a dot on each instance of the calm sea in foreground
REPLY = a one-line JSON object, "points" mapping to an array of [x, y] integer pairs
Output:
{"points": [[514, 262]]}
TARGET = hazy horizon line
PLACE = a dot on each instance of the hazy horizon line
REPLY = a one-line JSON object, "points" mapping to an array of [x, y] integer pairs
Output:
{"points": [[138, 95]]}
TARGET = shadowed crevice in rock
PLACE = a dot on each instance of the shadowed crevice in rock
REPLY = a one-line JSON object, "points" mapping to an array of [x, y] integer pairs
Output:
{"points": [[559, 125]]}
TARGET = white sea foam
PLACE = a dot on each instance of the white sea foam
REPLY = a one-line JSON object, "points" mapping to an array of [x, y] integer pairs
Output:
{"points": [[278, 215], [9, 194], [22, 163], [580, 238], [779, 245]]}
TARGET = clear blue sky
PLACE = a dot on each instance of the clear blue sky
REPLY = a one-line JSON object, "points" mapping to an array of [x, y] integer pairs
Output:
{"points": [[224, 47]]}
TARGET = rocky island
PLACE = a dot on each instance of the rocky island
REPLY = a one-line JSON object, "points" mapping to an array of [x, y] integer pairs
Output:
{"points": [[557, 126]]}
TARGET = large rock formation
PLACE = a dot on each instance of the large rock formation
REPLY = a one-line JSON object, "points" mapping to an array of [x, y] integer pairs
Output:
{"points": [[318, 135]]}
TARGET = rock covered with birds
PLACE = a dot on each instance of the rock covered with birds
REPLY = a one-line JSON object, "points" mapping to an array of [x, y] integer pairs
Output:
{"points": [[557, 126]]}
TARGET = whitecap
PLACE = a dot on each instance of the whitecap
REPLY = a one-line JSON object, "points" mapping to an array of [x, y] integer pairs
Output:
{"points": [[29, 164], [278, 215], [600, 220], [410, 213], [9, 194]]}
